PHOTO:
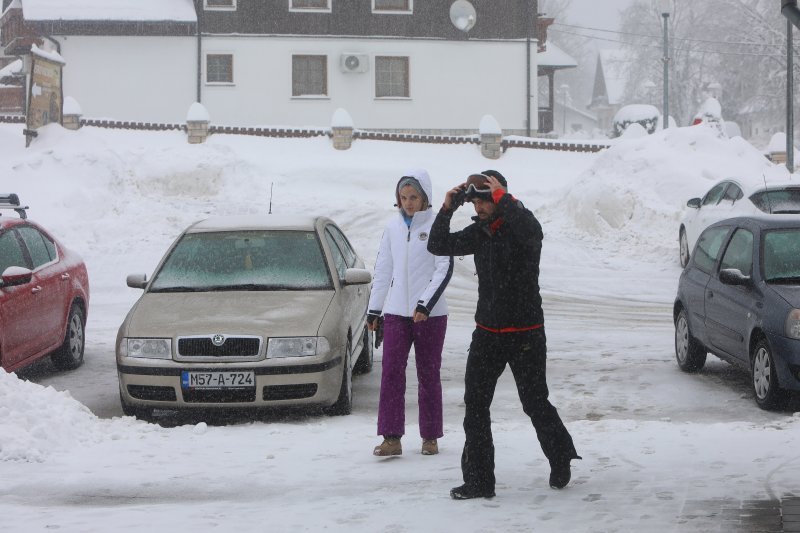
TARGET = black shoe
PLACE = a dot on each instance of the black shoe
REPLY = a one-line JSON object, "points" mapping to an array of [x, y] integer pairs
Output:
{"points": [[560, 476], [466, 492]]}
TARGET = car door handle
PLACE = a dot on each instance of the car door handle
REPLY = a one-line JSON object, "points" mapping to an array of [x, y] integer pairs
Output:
{"points": [[709, 294], [65, 276], [36, 289]]}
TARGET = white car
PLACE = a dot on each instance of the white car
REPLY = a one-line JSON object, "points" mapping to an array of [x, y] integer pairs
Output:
{"points": [[731, 198]]}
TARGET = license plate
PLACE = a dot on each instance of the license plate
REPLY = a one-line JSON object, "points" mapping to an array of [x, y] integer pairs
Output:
{"points": [[218, 380]]}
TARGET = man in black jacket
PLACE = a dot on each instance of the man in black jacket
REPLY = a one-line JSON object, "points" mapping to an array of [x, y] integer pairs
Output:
{"points": [[506, 240]]}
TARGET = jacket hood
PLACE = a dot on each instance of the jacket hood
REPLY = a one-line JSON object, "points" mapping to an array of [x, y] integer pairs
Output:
{"points": [[421, 175]]}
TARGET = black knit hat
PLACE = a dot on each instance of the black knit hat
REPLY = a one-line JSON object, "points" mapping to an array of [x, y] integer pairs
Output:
{"points": [[498, 176]]}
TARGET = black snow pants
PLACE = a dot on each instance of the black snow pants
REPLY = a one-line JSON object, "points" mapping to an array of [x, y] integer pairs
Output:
{"points": [[526, 353]]}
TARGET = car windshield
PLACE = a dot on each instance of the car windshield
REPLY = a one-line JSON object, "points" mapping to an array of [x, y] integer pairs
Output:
{"points": [[244, 260], [782, 256], [778, 201]]}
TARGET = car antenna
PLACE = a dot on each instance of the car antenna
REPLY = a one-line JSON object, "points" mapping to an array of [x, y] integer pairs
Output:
{"points": [[766, 193], [270, 197]]}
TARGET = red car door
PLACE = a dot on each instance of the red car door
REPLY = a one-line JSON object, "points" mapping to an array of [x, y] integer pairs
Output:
{"points": [[50, 285], [19, 306]]}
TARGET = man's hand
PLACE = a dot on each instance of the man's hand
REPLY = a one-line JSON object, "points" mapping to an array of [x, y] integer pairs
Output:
{"points": [[420, 317], [454, 198], [494, 184]]}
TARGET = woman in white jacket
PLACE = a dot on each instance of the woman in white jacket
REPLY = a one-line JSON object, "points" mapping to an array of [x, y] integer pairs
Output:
{"points": [[408, 289]]}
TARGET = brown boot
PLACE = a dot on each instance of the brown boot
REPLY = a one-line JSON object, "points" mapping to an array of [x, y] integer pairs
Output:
{"points": [[429, 447], [389, 446]]}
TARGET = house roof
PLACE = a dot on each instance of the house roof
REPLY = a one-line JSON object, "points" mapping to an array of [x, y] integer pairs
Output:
{"points": [[109, 10], [555, 57], [612, 67]]}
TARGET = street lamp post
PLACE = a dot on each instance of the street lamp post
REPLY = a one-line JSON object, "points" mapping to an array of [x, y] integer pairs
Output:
{"points": [[564, 96], [665, 6]]}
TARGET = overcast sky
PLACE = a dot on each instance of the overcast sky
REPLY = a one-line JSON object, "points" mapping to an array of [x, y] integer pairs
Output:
{"points": [[602, 14]]}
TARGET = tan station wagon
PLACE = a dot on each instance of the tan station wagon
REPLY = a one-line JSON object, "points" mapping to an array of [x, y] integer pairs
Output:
{"points": [[248, 311]]}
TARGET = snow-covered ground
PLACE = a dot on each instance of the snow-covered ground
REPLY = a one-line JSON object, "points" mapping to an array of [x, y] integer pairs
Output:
{"points": [[654, 441]]}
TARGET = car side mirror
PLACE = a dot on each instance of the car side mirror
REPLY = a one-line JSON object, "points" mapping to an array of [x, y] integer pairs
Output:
{"points": [[733, 276], [357, 276], [137, 281], [694, 203], [16, 275]]}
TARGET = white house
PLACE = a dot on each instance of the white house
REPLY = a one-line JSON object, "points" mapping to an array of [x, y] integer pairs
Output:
{"points": [[401, 65]]}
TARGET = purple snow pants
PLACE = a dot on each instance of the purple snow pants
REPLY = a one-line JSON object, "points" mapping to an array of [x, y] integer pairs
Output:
{"points": [[399, 333]]}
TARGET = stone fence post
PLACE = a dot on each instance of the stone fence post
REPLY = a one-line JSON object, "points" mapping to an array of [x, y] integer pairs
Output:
{"points": [[71, 114], [197, 120], [342, 129], [491, 138]]}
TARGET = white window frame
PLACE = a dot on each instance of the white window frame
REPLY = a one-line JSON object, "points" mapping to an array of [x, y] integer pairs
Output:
{"points": [[326, 79], [231, 7], [408, 77], [408, 11], [205, 68], [310, 9]]}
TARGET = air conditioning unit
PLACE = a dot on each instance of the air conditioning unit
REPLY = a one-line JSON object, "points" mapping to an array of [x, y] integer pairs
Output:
{"points": [[354, 62]]}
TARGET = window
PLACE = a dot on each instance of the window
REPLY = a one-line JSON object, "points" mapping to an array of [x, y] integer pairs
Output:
{"points": [[391, 77], [338, 258], [244, 260], [315, 5], [782, 256], [708, 247], [309, 75], [219, 4], [10, 252], [41, 249], [778, 200], [733, 193], [343, 245], [713, 196], [739, 253], [219, 68], [392, 5]]}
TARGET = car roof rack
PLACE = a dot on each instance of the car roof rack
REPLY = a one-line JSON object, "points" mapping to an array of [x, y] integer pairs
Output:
{"points": [[11, 201]]}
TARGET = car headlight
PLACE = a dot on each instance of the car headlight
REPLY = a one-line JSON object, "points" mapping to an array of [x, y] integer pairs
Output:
{"points": [[793, 324], [296, 346], [147, 348]]}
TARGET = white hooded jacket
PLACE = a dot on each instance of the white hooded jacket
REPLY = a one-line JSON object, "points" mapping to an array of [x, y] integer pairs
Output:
{"points": [[406, 274]]}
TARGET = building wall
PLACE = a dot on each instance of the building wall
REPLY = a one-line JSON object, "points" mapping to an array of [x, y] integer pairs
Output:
{"points": [[144, 79], [154, 79]]}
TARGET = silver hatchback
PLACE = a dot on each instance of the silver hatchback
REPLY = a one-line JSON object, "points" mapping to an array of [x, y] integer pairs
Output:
{"points": [[246, 312]]}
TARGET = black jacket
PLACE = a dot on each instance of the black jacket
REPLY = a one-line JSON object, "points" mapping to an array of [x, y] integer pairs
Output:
{"points": [[506, 260]]}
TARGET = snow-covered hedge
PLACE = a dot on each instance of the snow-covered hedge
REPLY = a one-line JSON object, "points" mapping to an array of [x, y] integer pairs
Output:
{"points": [[643, 114]]}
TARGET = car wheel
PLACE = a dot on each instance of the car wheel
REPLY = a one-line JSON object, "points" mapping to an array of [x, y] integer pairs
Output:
{"points": [[344, 403], [769, 394], [70, 354], [683, 244], [364, 362], [691, 355]]}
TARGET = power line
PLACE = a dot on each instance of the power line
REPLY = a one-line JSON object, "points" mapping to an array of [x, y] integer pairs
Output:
{"points": [[659, 47], [688, 39]]}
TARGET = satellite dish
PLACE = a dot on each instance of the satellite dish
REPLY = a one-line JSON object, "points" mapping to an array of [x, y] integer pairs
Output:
{"points": [[462, 15]]}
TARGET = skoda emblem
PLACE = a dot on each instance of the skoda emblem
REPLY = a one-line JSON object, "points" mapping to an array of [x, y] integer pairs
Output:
{"points": [[423, 236], [218, 340]]}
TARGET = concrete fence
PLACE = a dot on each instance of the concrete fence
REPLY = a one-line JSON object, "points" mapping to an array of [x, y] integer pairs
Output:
{"points": [[492, 145]]}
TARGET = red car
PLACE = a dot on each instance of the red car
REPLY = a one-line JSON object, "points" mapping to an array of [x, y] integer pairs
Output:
{"points": [[44, 294]]}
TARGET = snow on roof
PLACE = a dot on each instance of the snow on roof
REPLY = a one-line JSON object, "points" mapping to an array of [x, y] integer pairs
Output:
{"points": [[52, 56], [118, 10], [614, 65], [555, 57], [13, 68]]}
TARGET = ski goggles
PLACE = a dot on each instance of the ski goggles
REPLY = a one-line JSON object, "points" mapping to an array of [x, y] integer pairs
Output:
{"points": [[477, 184]]}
